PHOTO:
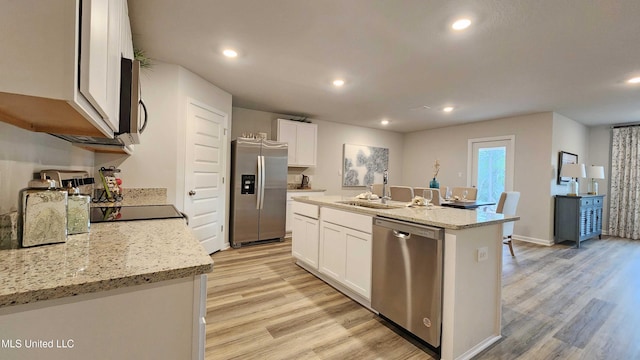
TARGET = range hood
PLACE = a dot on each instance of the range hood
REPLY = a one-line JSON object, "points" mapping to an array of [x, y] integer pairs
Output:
{"points": [[130, 104]]}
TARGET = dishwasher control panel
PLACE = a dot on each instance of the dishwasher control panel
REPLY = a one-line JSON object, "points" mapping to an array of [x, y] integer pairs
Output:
{"points": [[410, 228]]}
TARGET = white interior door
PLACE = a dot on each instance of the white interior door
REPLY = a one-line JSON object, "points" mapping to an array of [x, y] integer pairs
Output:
{"points": [[204, 173], [491, 166]]}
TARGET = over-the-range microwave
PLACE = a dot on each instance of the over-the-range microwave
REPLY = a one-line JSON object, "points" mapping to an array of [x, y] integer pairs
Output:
{"points": [[132, 124]]}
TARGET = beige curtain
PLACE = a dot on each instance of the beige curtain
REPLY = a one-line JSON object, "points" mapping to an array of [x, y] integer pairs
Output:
{"points": [[624, 203]]}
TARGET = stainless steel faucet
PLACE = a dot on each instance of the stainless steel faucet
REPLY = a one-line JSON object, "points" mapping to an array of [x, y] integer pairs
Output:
{"points": [[385, 180]]}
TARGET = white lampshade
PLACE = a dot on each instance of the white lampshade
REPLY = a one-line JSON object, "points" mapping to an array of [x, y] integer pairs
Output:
{"points": [[596, 172], [573, 170]]}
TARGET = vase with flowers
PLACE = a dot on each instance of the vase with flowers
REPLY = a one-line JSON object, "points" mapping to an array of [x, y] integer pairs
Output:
{"points": [[434, 184]]}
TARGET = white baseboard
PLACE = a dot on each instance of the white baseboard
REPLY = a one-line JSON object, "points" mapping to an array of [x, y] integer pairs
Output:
{"points": [[533, 240], [480, 347]]}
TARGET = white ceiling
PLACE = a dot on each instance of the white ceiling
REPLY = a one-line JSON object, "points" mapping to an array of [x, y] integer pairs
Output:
{"points": [[518, 57]]}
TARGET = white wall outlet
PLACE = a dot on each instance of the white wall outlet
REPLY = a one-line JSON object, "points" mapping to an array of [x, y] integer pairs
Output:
{"points": [[298, 178], [482, 254], [459, 174]]}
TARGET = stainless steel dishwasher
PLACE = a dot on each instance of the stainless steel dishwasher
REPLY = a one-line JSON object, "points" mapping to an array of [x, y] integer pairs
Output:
{"points": [[407, 276]]}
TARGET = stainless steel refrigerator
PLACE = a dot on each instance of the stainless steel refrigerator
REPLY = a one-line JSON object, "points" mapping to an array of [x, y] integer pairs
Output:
{"points": [[258, 190]]}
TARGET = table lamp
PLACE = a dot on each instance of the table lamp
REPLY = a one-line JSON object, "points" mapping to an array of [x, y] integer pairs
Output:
{"points": [[595, 172], [573, 171]]}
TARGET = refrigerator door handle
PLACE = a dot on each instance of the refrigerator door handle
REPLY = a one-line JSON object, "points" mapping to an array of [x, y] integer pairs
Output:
{"points": [[259, 184], [264, 173]]}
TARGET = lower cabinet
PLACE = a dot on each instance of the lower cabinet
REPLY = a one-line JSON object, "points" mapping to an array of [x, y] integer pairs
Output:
{"points": [[290, 195], [304, 246], [305, 232], [578, 218], [345, 249]]}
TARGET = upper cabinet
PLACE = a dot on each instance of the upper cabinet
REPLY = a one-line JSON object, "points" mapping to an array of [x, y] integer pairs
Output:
{"points": [[302, 140], [60, 67]]}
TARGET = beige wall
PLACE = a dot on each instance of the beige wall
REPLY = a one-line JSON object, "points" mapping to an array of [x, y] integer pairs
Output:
{"points": [[532, 172], [253, 121], [331, 139], [159, 160], [600, 154], [153, 163], [571, 136], [23, 153]]}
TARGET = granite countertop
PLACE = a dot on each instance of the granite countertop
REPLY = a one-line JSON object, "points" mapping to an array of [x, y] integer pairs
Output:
{"points": [[306, 190], [136, 197], [112, 255], [439, 216]]}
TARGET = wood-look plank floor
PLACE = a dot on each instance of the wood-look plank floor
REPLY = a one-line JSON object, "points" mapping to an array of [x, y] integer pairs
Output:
{"points": [[558, 303]]}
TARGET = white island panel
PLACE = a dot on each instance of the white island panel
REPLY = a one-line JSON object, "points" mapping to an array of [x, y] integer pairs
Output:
{"points": [[151, 321], [471, 307]]}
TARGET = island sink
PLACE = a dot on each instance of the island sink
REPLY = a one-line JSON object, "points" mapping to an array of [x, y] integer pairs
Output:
{"points": [[371, 204]]}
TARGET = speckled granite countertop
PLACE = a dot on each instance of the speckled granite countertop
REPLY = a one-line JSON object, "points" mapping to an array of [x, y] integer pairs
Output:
{"points": [[443, 217], [112, 255], [306, 190]]}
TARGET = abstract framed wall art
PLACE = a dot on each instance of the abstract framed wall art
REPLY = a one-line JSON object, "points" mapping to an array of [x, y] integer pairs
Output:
{"points": [[363, 165]]}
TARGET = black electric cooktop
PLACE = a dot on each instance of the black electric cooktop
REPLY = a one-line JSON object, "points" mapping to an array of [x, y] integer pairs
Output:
{"points": [[128, 213]]}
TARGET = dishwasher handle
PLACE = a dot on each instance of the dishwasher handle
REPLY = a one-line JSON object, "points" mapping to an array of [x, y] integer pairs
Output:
{"points": [[408, 228], [401, 234]]}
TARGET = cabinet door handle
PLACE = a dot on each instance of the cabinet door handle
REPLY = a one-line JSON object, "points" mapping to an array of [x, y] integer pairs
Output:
{"points": [[192, 192]]}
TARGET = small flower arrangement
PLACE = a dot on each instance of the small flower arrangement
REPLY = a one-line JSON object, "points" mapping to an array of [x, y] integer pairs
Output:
{"points": [[436, 168]]}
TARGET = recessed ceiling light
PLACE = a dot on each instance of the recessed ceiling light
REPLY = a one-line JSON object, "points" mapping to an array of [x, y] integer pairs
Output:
{"points": [[338, 82], [384, 122], [461, 24], [635, 80], [230, 53], [448, 109]]}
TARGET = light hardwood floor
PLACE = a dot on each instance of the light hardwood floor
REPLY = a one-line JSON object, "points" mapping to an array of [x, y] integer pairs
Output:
{"points": [[558, 303]]}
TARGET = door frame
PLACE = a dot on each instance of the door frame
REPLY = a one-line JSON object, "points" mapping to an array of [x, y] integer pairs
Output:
{"points": [[510, 158]]}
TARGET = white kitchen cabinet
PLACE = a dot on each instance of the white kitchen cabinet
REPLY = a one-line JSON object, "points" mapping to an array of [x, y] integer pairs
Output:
{"points": [[357, 273], [345, 249], [304, 246], [332, 250], [94, 55], [290, 196], [62, 74], [302, 140]]}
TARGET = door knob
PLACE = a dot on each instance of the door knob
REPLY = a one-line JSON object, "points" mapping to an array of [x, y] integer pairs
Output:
{"points": [[192, 192]]}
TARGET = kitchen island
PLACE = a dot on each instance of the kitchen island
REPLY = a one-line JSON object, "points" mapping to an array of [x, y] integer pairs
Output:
{"points": [[471, 268], [126, 290]]}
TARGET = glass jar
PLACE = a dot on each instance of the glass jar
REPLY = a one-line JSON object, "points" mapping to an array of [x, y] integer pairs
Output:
{"points": [[42, 214], [78, 208]]}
